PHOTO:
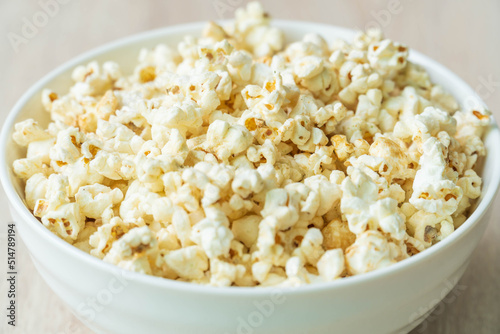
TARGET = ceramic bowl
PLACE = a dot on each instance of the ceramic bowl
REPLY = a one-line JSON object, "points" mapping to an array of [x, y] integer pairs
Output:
{"points": [[110, 300]]}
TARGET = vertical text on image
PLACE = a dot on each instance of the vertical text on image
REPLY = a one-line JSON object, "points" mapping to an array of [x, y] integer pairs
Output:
{"points": [[11, 274]]}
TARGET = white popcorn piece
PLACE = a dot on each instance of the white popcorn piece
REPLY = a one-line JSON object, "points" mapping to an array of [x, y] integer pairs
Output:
{"points": [[246, 229], [311, 248], [225, 139], [470, 184], [107, 105], [67, 147], [308, 67], [90, 80], [134, 250], [331, 264], [188, 263], [224, 273], [387, 57], [252, 27], [94, 199], [213, 234], [36, 188], [296, 272], [422, 126], [433, 191], [167, 238], [282, 207], [364, 211], [112, 229], [247, 182], [28, 131], [66, 220], [370, 251], [40, 150], [429, 228], [26, 168], [56, 195], [112, 166]]}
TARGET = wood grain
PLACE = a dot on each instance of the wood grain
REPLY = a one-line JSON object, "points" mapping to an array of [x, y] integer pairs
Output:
{"points": [[463, 35]]}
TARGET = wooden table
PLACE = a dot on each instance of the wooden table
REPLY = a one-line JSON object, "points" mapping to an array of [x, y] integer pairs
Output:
{"points": [[461, 34]]}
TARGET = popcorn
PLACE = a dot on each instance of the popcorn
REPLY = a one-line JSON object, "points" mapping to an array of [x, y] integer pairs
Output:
{"points": [[282, 207], [387, 57], [67, 147], [364, 211], [336, 234], [246, 229], [66, 220], [167, 238], [266, 153], [395, 158], [107, 105], [36, 188], [185, 116], [213, 234], [470, 184], [429, 228], [112, 229], [311, 248], [225, 140], [26, 168], [91, 80], [422, 126], [433, 191], [40, 150], [224, 273], [268, 250], [247, 182], [252, 28], [370, 251], [331, 264], [188, 263], [308, 67], [112, 166], [296, 272], [94, 199], [27, 132], [134, 250], [233, 159]]}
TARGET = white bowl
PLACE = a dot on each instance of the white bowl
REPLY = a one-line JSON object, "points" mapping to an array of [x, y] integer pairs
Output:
{"points": [[110, 300]]}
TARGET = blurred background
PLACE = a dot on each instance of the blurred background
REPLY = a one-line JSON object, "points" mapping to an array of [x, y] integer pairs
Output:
{"points": [[463, 35]]}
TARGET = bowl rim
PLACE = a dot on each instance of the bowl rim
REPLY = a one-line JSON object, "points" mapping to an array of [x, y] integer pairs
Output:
{"points": [[159, 282]]}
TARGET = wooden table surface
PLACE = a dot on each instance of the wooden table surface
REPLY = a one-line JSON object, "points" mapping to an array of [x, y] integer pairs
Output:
{"points": [[461, 34]]}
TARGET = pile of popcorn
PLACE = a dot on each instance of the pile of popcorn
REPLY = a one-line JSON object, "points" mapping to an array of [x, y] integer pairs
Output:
{"points": [[238, 160]]}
